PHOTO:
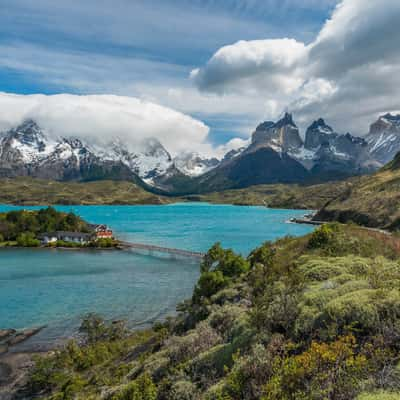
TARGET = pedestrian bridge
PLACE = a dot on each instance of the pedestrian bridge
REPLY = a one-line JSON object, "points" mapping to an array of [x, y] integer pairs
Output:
{"points": [[159, 249]]}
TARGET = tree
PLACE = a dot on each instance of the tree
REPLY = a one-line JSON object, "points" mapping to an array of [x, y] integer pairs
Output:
{"points": [[208, 284], [27, 240]]}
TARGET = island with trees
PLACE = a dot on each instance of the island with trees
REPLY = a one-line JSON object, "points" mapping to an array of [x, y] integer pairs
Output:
{"points": [[49, 228]]}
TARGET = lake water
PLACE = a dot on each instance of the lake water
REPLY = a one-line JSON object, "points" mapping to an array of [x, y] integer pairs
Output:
{"points": [[56, 287]]}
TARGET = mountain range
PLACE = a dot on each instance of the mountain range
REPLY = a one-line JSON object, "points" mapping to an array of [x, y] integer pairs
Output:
{"points": [[277, 154]]}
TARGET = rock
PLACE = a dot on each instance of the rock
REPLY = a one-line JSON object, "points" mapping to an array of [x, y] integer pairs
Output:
{"points": [[280, 136], [5, 372], [384, 138], [5, 333], [12, 337]]}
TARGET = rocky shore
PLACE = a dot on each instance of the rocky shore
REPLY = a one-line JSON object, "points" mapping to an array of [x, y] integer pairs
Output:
{"points": [[14, 364]]}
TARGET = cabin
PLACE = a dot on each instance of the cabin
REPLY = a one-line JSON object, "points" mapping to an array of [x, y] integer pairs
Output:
{"points": [[102, 231], [74, 237]]}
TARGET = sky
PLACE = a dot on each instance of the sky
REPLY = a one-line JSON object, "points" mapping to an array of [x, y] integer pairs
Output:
{"points": [[213, 69]]}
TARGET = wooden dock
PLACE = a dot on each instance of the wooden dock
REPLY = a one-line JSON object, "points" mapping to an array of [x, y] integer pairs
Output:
{"points": [[159, 249]]}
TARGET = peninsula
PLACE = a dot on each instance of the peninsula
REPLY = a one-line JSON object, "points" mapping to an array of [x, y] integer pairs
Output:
{"points": [[48, 227]]}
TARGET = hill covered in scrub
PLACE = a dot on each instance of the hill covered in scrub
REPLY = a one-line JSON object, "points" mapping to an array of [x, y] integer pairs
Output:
{"points": [[316, 317], [30, 191], [310, 197], [372, 201]]}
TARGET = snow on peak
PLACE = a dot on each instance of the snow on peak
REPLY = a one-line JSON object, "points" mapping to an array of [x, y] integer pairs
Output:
{"points": [[193, 164], [29, 141]]}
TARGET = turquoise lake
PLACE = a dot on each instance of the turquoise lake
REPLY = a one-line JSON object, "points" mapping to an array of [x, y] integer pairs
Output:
{"points": [[57, 287]]}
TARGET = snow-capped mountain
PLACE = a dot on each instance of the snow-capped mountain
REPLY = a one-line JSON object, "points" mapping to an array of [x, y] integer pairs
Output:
{"points": [[192, 164], [281, 136], [317, 134], [322, 145], [28, 151], [150, 161], [384, 138], [276, 153]]}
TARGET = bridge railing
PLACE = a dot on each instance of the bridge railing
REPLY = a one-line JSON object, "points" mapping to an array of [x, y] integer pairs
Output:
{"points": [[169, 250]]}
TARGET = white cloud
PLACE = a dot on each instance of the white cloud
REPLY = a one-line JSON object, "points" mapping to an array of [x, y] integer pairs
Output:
{"points": [[349, 73], [102, 118], [260, 64], [233, 144]]}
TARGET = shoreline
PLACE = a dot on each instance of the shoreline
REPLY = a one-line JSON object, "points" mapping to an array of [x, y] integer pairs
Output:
{"points": [[119, 247], [15, 364]]}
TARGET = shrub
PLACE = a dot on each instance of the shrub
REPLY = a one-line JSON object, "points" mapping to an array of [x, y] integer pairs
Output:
{"points": [[27, 240], [380, 395], [211, 364], [250, 372], [230, 264], [95, 328], [321, 237], [142, 388], [324, 371], [263, 255], [195, 342], [226, 320], [208, 284], [183, 390]]}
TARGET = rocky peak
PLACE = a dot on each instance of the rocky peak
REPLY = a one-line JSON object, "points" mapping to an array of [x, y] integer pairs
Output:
{"points": [[154, 148], [387, 123], [384, 138], [317, 134], [193, 164], [230, 155], [281, 136], [29, 134], [265, 125], [286, 120], [75, 143]]}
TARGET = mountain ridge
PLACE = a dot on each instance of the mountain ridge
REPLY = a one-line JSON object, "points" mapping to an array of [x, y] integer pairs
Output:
{"points": [[276, 154]]}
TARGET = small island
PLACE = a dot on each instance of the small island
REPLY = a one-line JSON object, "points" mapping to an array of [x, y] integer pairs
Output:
{"points": [[50, 228]]}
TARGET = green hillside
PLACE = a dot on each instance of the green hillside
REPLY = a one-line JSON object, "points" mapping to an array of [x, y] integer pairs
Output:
{"points": [[316, 317], [372, 201], [280, 195], [29, 191]]}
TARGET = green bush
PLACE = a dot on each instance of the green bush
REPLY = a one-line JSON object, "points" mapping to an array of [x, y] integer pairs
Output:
{"points": [[380, 395], [142, 388], [95, 329], [208, 284], [321, 237], [27, 240]]}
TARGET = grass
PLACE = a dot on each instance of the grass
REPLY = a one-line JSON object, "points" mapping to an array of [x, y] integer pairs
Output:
{"points": [[8, 244], [28, 191], [370, 200], [279, 195]]}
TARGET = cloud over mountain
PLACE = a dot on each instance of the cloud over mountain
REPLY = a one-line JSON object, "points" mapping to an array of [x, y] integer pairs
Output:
{"points": [[350, 71], [102, 118]]}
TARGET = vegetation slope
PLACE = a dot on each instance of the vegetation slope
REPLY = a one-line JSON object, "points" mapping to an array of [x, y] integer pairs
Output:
{"points": [[316, 317], [29, 191], [280, 195], [372, 201]]}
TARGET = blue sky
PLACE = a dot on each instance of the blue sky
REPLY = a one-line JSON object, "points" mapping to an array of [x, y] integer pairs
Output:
{"points": [[143, 48]]}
